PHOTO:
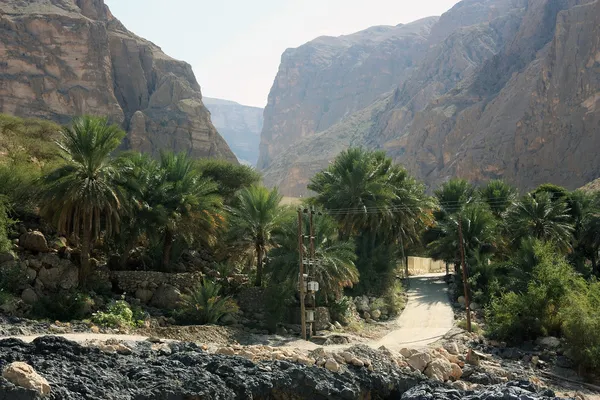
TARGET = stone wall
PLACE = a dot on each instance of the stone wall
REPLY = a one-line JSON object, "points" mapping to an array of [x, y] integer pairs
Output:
{"points": [[420, 265], [131, 281]]}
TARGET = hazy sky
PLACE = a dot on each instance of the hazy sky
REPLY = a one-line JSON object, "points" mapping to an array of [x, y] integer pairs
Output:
{"points": [[235, 46]]}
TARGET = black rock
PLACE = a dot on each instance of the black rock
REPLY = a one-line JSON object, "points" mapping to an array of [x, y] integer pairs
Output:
{"points": [[76, 372]]}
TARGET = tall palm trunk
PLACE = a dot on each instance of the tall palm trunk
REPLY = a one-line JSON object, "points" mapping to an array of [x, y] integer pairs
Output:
{"points": [[259, 265], [167, 247], [86, 239]]}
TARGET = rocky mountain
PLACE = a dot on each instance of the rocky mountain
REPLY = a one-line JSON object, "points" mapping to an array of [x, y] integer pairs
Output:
{"points": [[60, 58], [329, 78], [240, 126], [506, 89]]}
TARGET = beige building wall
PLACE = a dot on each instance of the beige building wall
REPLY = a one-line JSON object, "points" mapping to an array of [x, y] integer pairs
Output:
{"points": [[420, 265]]}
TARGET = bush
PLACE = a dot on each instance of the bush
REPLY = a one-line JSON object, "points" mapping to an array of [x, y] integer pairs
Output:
{"points": [[581, 327], [205, 305], [5, 224], [118, 314], [515, 317], [394, 299], [63, 306], [341, 310]]}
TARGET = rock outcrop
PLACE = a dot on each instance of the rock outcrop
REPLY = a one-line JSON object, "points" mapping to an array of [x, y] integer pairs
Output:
{"points": [[60, 58], [329, 78], [240, 126], [506, 89]]}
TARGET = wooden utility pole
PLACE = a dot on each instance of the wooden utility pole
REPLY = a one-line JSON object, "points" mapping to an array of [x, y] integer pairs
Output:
{"points": [[312, 261], [301, 277], [464, 272]]}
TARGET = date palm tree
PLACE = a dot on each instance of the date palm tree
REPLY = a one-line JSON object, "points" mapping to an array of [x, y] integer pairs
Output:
{"points": [[335, 269], [542, 217], [255, 214], [83, 197]]}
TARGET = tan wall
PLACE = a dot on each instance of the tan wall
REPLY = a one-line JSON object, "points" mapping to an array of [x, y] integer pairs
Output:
{"points": [[420, 265]]}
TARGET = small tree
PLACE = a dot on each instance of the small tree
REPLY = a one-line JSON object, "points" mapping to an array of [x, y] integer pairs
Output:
{"points": [[255, 214]]}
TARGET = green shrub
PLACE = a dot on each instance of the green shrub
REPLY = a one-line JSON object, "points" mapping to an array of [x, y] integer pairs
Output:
{"points": [[581, 327], [205, 305], [5, 224], [515, 317], [13, 279], [5, 297], [118, 314], [63, 306], [340, 310], [394, 299]]}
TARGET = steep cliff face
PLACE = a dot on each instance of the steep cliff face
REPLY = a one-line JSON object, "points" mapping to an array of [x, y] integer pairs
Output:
{"points": [[240, 126], [516, 95], [476, 32], [60, 58], [329, 78], [530, 115]]}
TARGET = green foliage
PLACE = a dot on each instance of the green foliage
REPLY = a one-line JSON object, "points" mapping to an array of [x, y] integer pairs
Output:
{"points": [[229, 177], [555, 192], [205, 305], [394, 300], [255, 215], [336, 269], [340, 310], [118, 314], [377, 264], [63, 306], [172, 203], [454, 195], [541, 217], [82, 197], [29, 140], [499, 196], [5, 224], [581, 326], [367, 193], [537, 311]]}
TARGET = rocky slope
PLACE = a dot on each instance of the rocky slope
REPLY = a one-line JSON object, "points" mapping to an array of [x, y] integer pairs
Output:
{"points": [[240, 126], [511, 92], [329, 78], [60, 58]]}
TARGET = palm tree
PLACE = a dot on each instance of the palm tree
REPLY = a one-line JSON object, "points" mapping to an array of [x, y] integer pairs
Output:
{"points": [[478, 230], [584, 209], [82, 197], [182, 203], [355, 188], [499, 195], [334, 271], [541, 217], [255, 214]]}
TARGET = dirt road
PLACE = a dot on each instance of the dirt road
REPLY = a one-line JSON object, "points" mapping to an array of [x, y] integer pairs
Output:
{"points": [[426, 318]]}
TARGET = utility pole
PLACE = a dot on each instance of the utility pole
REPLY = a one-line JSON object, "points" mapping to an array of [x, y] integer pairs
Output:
{"points": [[301, 277], [464, 272], [312, 260]]}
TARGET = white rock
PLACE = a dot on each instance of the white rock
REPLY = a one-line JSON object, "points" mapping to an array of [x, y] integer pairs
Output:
{"points": [[419, 361], [332, 365], [347, 357], [23, 375], [549, 341], [460, 385], [456, 372], [29, 296], [452, 348], [461, 300], [475, 306], [439, 369], [376, 314], [408, 353], [226, 351], [357, 362]]}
